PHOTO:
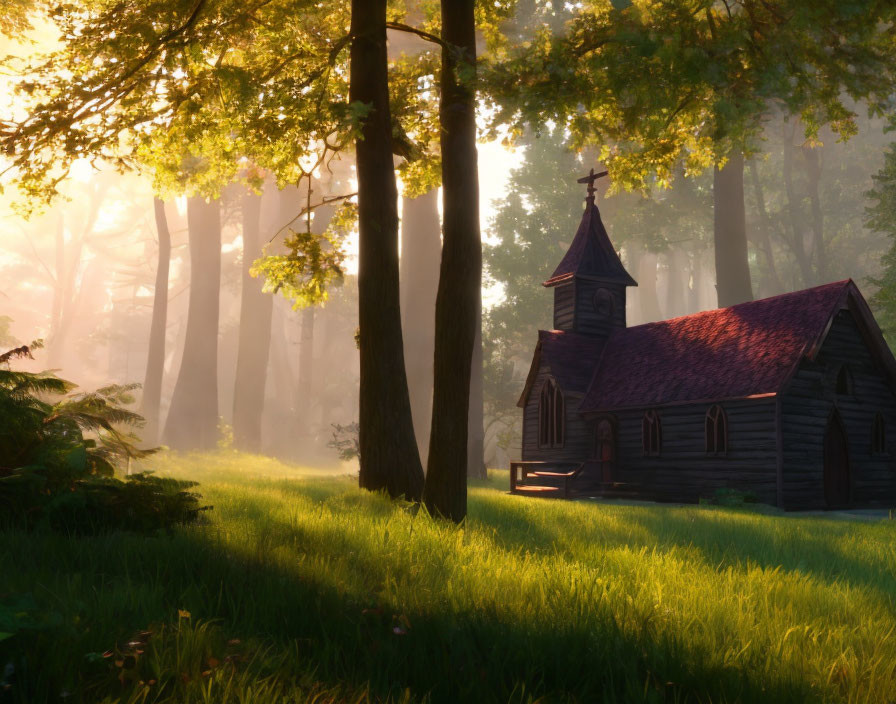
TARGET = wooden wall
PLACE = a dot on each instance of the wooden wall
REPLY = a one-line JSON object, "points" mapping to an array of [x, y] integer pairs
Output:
{"points": [[577, 445], [564, 306], [587, 320], [806, 405], [684, 471]]}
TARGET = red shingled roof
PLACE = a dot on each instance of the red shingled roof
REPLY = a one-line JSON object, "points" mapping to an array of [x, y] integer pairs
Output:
{"points": [[591, 253], [744, 350]]}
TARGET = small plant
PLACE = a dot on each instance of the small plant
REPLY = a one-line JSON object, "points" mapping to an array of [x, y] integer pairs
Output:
{"points": [[345, 441], [58, 455]]}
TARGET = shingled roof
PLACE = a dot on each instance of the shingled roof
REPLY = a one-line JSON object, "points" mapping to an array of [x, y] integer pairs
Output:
{"points": [[591, 253], [745, 350], [571, 357]]}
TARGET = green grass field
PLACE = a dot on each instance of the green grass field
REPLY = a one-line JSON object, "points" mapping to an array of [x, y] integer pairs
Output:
{"points": [[302, 588]]}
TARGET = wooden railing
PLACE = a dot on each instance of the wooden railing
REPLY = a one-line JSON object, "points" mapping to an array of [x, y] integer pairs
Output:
{"points": [[520, 473]]}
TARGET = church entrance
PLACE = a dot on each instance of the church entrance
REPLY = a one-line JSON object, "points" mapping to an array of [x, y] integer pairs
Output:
{"points": [[605, 451], [836, 464]]}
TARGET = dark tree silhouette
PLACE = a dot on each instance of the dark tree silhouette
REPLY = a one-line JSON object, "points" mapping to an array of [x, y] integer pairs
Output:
{"points": [[389, 458]]}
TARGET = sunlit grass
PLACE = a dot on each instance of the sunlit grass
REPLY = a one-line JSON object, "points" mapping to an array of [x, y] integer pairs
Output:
{"points": [[335, 594]]}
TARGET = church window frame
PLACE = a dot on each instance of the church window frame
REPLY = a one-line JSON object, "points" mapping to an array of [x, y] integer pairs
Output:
{"points": [[716, 430], [843, 384], [551, 415], [879, 435], [603, 302], [651, 433]]}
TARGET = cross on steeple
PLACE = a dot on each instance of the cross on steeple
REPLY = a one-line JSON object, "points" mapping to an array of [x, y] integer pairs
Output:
{"points": [[590, 179]]}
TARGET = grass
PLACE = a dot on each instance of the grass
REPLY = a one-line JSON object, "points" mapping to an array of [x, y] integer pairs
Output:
{"points": [[301, 588]]}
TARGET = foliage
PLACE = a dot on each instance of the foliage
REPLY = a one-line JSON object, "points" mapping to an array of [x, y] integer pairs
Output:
{"points": [[342, 595], [656, 85], [311, 264], [59, 452], [345, 441], [881, 217]]}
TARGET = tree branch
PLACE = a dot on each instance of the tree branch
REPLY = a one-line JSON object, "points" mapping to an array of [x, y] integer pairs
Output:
{"points": [[400, 27]]}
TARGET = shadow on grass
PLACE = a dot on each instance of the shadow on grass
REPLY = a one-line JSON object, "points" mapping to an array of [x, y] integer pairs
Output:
{"points": [[119, 585]]}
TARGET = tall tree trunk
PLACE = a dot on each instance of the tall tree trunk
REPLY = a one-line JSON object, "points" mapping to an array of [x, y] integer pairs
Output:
{"points": [[192, 421], [647, 295], [730, 233], [389, 457], [458, 300], [797, 239], [256, 308], [813, 172], [421, 249], [155, 361], [764, 232], [476, 468], [675, 283]]}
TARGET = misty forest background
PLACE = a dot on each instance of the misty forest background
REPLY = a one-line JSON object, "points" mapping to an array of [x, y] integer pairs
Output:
{"points": [[87, 274]]}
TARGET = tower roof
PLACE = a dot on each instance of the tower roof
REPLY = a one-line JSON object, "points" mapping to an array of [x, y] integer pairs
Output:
{"points": [[591, 254]]}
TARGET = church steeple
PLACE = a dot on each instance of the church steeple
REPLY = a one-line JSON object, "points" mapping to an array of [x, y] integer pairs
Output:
{"points": [[590, 281]]}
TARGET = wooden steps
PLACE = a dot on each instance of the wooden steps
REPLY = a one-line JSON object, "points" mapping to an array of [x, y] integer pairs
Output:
{"points": [[545, 492]]}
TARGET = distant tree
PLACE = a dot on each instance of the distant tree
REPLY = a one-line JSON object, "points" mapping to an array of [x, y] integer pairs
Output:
{"points": [[881, 217], [155, 363], [658, 85], [192, 421], [256, 310]]}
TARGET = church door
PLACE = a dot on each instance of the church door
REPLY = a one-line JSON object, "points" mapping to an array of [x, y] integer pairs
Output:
{"points": [[836, 464], [605, 450]]}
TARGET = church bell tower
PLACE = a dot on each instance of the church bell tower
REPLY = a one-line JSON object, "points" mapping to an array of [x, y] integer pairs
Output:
{"points": [[590, 282]]}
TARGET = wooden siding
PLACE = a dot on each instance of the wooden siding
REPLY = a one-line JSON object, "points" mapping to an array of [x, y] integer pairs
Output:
{"points": [[577, 436], [564, 306], [683, 471], [587, 319], [808, 402]]}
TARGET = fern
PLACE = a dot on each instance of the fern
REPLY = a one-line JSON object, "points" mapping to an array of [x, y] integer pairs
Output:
{"points": [[59, 451]]}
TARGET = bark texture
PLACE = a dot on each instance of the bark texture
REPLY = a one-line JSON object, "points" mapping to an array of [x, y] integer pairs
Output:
{"points": [[155, 361], [730, 233], [421, 249], [457, 302], [389, 458], [256, 308], [476, 426], [192, 422]]}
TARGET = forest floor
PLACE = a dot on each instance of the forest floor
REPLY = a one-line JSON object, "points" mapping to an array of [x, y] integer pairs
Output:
{"points": [[301, 588]]}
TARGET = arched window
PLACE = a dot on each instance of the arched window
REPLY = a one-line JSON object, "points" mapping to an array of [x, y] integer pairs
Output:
{"points": [[716, 431], [550, 415], [844, 381], [651, 433], [603, 302], [878, 435]]}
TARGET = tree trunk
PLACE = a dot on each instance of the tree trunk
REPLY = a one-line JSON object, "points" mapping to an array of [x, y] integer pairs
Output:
{"points": [[458, 299], [730, 233], [797, 241], [764, 232], [256, 309], [675, 283], [645, 265], [813, 172], [155, 361], [476, 429], [192, 422], [421, 249], [389, 458]]}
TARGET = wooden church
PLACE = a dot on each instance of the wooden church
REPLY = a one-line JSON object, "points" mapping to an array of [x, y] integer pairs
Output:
{"points": [[789, 399]]}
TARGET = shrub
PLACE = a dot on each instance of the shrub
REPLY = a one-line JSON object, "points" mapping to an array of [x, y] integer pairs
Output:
{"points": [[59, 451]]}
